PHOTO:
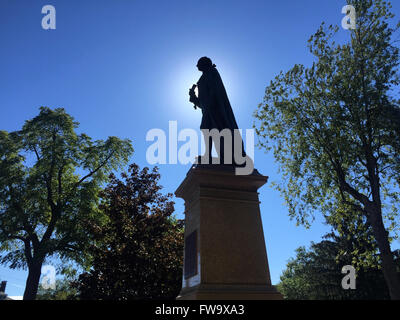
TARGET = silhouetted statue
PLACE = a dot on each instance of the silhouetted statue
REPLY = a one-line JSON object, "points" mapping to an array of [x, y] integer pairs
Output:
{"points": [[213, 101]]}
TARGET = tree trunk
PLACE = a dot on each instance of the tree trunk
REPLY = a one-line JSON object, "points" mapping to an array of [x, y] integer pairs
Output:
{"points": [[32, 283], [388, 265]]}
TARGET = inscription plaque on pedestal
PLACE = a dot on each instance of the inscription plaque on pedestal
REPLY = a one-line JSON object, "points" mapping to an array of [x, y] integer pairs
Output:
{"points": [[190, 267]]}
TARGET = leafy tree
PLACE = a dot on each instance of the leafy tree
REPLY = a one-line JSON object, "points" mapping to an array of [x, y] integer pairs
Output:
{"points": [[315, 274], [50, 178], [333, 128], [355, 238], [138, 252]]}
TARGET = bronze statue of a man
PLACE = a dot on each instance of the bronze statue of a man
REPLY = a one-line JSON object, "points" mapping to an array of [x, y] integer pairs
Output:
{"points": [[214, 103], [212, 99]]}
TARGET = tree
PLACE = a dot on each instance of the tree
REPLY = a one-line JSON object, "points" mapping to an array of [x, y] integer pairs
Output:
{"points": [[333, 130], [50, 178], [315, 274], [63, 291], [139, 251]]}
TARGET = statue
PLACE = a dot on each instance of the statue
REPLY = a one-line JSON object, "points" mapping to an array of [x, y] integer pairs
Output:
{"points": [[215, 106]]}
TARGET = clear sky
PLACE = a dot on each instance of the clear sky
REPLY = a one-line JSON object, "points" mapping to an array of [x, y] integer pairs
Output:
{"points": [[123, 67]]}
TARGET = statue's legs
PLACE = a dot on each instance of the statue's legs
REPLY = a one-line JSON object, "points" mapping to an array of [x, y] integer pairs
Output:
{"points": [[223, 147], [206, 158]]}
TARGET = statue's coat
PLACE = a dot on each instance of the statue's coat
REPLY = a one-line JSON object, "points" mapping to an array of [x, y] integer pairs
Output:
{"points": [[214, 102]]}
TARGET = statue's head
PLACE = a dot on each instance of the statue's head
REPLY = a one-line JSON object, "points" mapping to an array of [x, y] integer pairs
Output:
{"points": [[205, 64]]}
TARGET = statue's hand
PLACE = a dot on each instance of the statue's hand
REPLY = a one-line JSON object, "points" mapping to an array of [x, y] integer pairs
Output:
{"points": [[192, 95], [191, 90], [193, 98]]}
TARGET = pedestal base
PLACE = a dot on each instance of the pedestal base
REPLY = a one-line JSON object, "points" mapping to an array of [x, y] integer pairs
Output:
{"points": [[230, 292], [225, 256]]}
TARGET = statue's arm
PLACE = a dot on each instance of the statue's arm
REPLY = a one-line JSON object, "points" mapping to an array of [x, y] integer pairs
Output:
{"points": [[194, 99]]}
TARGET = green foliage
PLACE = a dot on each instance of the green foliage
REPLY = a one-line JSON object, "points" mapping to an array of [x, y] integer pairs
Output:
{"points": [[50, 179], [335, 131], [320, 120], [315, 274], [63, 291], [138, 252], [357, 232], [324, 122]]}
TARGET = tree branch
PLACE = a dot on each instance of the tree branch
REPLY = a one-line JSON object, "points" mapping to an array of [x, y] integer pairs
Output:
{"points": [[91, 173]]}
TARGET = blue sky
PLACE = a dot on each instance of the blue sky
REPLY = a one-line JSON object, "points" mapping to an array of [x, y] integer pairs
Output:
{"points": [[123, 67]]}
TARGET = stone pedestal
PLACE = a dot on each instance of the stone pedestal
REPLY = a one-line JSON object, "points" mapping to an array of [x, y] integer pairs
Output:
{"points": [[225, 255]]}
